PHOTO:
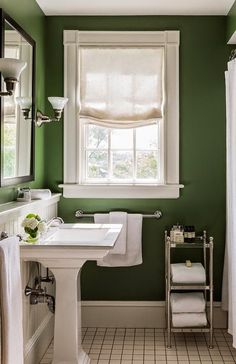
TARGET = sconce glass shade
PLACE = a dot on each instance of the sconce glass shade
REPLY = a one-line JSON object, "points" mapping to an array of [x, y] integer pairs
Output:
{"points": [[11, 68], [58, 103], [24, 102]]}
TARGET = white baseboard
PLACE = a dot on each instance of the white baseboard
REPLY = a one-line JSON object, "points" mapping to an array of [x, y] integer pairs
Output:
{"points": [[134, 314], [37, 345]]}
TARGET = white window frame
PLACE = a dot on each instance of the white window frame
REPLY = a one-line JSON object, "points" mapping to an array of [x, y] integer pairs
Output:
{"points": [[72, 186]]}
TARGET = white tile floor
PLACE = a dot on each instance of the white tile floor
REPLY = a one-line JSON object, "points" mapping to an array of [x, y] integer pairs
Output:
{"points": [[140, 346]]}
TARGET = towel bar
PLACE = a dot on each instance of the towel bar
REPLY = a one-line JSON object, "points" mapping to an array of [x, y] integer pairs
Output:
{"points": [[157, 214]]}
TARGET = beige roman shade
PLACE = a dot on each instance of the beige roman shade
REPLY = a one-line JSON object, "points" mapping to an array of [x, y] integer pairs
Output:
{"points": [[121, 87]]}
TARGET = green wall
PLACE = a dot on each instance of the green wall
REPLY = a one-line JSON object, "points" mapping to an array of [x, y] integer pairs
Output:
{"points": [[203, 55], [30, 17]]}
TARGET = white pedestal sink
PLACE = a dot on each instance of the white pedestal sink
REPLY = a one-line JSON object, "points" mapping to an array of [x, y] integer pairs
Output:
{"points": [[64, 252]]}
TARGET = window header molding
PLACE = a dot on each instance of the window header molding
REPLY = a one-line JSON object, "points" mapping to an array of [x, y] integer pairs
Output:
{"points": [[91, 38], [73, 39]]}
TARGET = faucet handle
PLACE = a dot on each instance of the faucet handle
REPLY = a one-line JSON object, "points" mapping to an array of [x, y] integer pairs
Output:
{"points": [[3, 235], [20, 237]]}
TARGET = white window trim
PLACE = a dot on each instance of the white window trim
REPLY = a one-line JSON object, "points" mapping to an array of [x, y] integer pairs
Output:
{"points": [[72, 138]]}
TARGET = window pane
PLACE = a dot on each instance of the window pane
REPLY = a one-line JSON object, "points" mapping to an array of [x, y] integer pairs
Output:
{"points": [[9, 162], [146, 165], [97, 164], [9, 150], [147, 137], [122, 139], [97, 137], [122, 165]]}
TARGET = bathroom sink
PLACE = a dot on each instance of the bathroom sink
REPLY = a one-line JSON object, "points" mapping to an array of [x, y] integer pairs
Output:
{"points": [[64, 250], [70, 241]]}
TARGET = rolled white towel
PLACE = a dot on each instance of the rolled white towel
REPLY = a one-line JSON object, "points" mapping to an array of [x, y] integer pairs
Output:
{"points": [[189, 319], [187, 302], [182, 274], [40, 194]]}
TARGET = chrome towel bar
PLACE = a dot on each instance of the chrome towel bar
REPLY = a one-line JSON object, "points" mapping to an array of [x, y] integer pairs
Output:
{"points": [[157, 214]]}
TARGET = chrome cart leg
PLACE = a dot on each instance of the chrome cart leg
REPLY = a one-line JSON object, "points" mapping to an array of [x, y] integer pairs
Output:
{"points": [[168, 324], [211, 294], [168, 296]]}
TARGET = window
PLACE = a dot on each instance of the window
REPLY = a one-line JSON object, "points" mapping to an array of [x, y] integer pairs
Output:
{"points": [[121, 122], [121, 155]]}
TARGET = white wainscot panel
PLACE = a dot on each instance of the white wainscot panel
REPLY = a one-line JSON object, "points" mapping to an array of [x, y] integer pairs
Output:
{"points": [[38, 321]]}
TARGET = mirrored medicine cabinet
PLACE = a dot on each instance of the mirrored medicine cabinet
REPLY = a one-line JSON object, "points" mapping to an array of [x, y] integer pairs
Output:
{"points": [[17, 134]]}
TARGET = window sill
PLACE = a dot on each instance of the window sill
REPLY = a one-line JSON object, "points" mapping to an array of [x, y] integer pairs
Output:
{"points": [[119, 191]]}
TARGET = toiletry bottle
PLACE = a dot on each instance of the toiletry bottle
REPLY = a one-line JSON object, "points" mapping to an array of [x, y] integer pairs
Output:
{"points": [[189, 234], [186, 233], [178, 234]]}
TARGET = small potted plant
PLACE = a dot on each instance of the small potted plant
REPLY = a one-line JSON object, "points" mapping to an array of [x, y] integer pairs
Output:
{"points": [[33, 226]]}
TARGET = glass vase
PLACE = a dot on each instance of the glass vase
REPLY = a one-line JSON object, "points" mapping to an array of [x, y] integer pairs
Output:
{"points": [[32, 239]]}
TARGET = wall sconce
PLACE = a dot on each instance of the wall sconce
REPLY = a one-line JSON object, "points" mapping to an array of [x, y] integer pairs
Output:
{"points": [[11, 69], [25, 104], [58, 104]]}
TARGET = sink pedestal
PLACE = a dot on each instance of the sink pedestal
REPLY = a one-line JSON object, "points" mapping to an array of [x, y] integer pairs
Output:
{"points": [[67, 333], [64, 253]]}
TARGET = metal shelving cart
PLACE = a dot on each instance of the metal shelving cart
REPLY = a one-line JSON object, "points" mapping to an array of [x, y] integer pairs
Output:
{"points": [[200, 242]]}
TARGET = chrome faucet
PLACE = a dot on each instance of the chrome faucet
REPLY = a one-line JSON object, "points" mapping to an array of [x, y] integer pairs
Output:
{"points": [[55, 221]]}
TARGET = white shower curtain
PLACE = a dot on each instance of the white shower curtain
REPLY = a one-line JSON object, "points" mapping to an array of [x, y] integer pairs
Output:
{"points": [[229, 277]]}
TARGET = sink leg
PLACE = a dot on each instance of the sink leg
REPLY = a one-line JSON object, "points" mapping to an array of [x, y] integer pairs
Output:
{"points": [[67, 331]]}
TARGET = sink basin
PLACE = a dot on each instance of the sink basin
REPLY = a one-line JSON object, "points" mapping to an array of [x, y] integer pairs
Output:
{"points": [[78, 235], [64, 250], [83, 235]]}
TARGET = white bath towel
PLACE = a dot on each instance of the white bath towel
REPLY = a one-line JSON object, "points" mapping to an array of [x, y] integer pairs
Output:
{"points": [[182, 274], [189, 319], [40, 194], [11, 302], [133, 255], [187, 302]]}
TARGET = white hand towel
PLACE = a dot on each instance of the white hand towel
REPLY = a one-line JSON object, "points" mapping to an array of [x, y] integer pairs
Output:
{"points": [[133, 254], [182, 274], [11, 302], [101, 218], [187, 302], [40, 194], [117, 217], [189, 319]]}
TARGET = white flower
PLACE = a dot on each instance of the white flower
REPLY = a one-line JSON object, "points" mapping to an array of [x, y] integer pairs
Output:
{"points": [[31, 223], [42, 227], [25, 222]]}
